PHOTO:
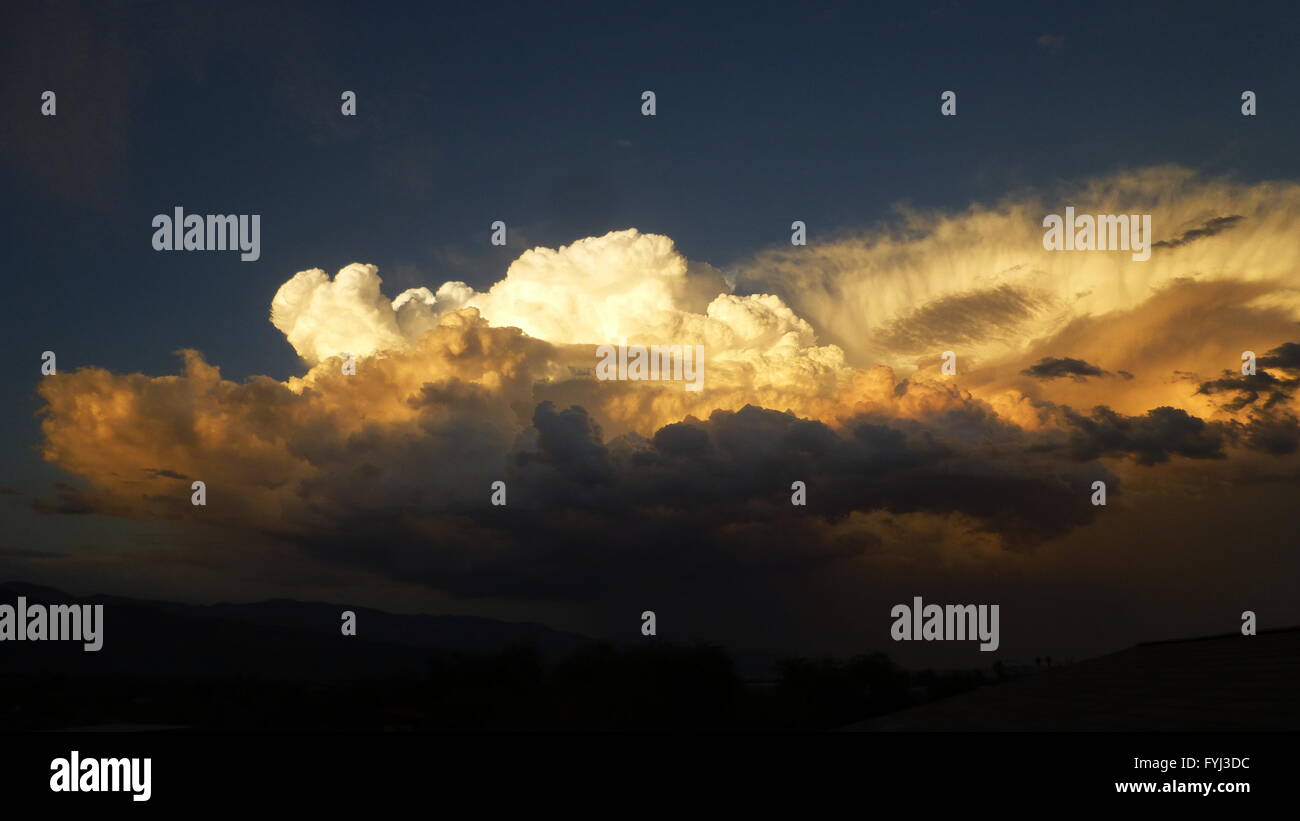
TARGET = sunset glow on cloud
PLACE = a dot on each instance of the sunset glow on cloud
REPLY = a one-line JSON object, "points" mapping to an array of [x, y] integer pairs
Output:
{"points": [[822, 367]]}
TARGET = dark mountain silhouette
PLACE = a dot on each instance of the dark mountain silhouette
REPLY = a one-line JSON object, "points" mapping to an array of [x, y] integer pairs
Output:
{"points": [[271, 639], [451, 632], [284, 665]]}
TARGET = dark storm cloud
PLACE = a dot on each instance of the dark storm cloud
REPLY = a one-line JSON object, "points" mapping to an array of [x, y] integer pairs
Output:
{"points": [[1208, 229], [408, 497], [568, 442], [1285, 356], [706, 499], [1271, 427], [1149, 439], [1276, 434], [1056, 367], [1250, 389], [1260, 390]]}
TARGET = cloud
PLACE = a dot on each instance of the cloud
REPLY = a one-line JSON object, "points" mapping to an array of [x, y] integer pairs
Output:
{"points": [[1055, 367], [1286, 356], [821, 367], [350, 315], [958, 319], [1149, 439], [1208, 229], [587, 516], [1274, 434], [1249, 389], [621, 288], [980, 278], [389, 470]]}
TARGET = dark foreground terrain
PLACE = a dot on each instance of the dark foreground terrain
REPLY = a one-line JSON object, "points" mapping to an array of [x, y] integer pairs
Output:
{"points": [[1212, 684], [283, 666]]}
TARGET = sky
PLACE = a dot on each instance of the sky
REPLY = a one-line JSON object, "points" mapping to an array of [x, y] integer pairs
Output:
{"points": [[923, 236]]}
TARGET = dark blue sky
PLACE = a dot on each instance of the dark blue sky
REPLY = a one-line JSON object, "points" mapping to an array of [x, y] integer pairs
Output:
{"points": [[530, 113]]}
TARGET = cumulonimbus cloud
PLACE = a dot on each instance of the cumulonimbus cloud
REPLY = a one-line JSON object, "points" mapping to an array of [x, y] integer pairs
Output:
{"points": [[825, 372]]}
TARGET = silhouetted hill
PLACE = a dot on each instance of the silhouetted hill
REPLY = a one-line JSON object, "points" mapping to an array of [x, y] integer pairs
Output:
{"points": [[451, 632], [1228, 683], [273, 639], [284, 665]]}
